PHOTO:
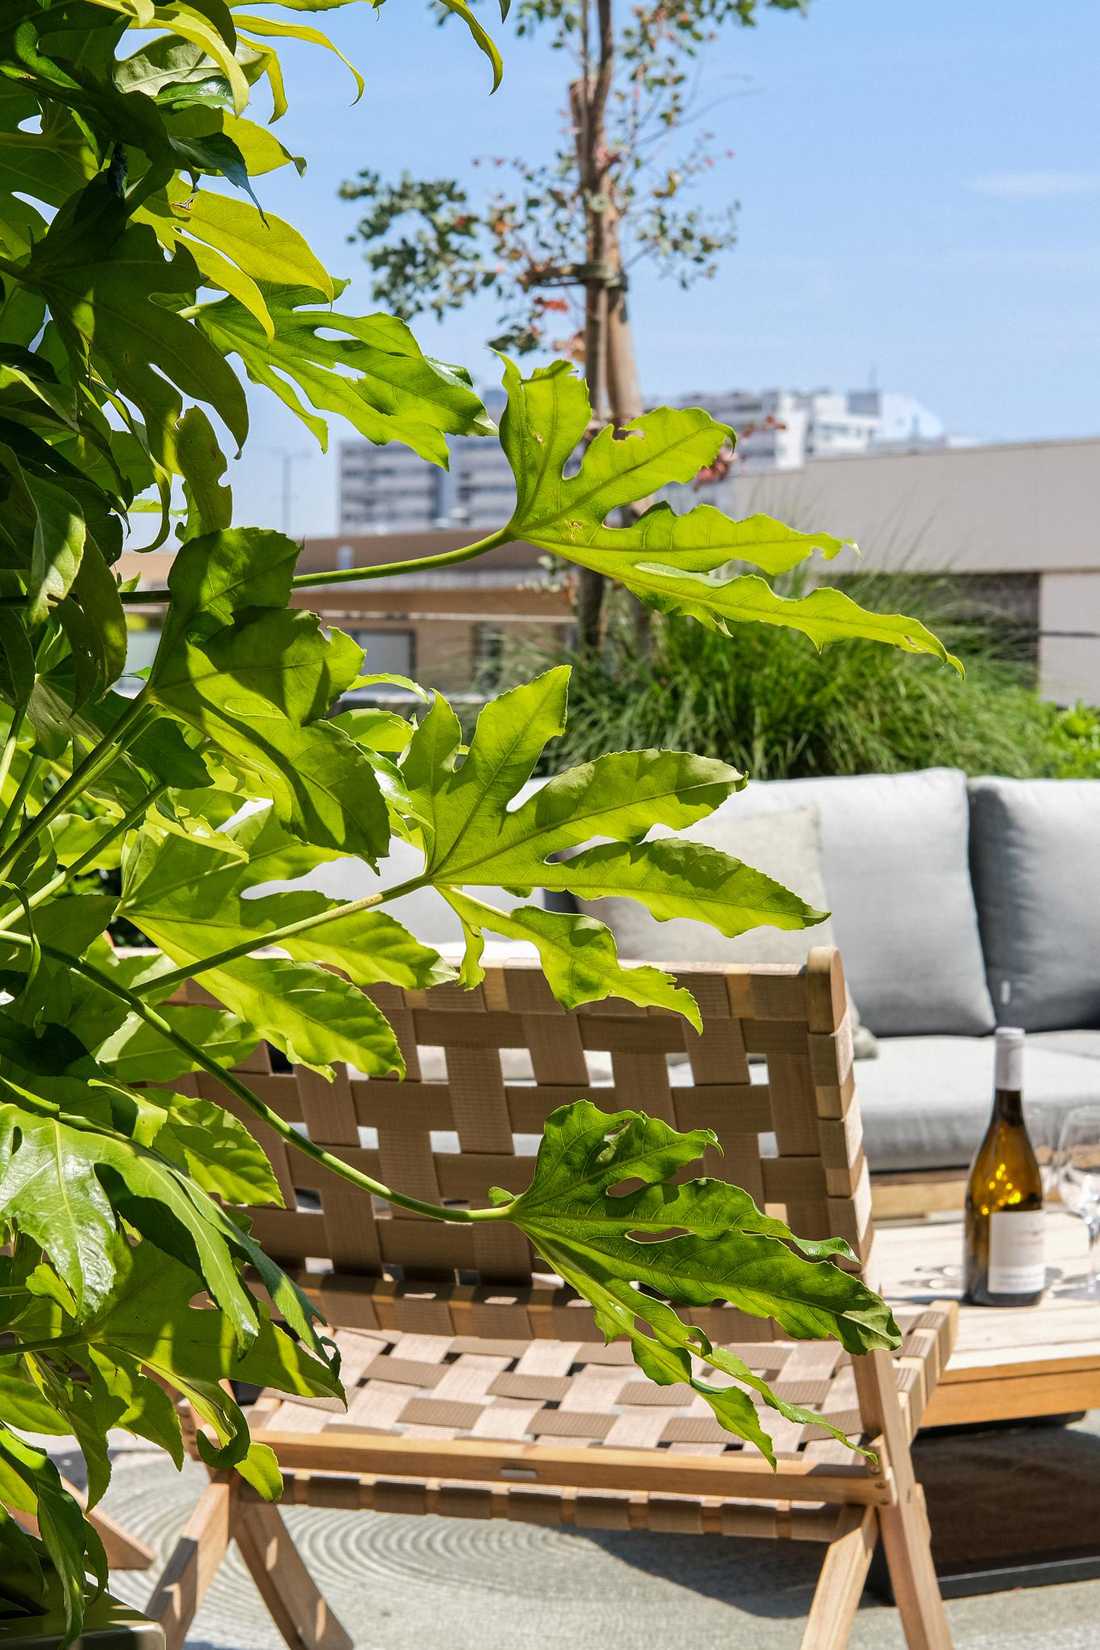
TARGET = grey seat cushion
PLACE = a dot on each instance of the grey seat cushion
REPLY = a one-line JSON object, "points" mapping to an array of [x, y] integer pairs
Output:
{"points": [[1084, 1043], [1035, 851], [898, 883], [925, 1101]]}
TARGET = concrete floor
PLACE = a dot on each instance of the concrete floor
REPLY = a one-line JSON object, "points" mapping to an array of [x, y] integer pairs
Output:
{"points": [[419, 1583]]}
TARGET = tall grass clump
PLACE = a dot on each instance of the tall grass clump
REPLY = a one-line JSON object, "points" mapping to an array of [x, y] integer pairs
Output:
{"points": [[767, 701]]}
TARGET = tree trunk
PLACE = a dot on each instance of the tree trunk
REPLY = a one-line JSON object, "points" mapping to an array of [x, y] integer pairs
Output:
{"points": [[625, 398], [588, 100]]}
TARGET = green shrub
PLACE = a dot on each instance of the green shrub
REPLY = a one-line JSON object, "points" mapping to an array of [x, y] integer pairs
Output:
{"points": [[768, 702], [1075, 742]]}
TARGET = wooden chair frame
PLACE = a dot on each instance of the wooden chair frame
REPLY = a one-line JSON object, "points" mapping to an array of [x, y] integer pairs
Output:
{"points": [[790, 1126]]}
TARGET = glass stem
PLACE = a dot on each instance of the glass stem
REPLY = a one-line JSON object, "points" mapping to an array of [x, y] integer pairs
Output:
{"points": [[1093, 1227]]}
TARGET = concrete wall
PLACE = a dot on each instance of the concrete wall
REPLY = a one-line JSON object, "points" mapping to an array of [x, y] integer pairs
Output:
{"points": [[1014, 508], [1021, 508], [1069, 636]]}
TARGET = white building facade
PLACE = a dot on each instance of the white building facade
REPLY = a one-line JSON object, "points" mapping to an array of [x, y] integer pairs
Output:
{"points": [[782, 429]]}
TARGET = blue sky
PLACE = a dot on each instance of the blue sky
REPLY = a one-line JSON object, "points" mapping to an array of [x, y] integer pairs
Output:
{"points": [[919, 188]]}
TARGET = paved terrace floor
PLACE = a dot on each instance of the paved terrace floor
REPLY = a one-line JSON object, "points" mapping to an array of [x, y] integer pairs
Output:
{"points": [[422, 1583]]}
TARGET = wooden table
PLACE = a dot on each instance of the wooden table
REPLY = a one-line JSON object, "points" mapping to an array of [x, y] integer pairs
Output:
{"points": [[1009, 1362]]}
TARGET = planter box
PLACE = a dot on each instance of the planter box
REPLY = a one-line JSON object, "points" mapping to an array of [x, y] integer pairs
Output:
{"points": [[110, 1625]]}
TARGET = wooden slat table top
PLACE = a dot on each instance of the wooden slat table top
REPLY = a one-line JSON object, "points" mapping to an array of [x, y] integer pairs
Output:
{"points": [[1008, 1362]]}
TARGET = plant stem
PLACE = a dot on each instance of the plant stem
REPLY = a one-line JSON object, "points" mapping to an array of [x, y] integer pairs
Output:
{"points": [[111, 746], [75, 1337], [233, 1083], [276, 935], [10, 820], [392, 569], [11, 742], [348, 575]]}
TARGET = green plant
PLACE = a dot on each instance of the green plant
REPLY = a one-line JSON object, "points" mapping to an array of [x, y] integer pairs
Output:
{"points": [[1074, 742], [129, 281], [779, 709]]}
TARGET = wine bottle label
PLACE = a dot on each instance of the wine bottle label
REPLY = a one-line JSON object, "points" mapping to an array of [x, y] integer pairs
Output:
{"points": [[1016, 1265]]}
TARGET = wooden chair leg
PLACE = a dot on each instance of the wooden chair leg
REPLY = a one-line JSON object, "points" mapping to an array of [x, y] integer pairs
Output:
{"points": [[296, 1605], [194, 1562], [906, 1538], [840, 1585]]}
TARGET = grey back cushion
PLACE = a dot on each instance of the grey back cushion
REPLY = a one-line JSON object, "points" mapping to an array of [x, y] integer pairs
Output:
{"points": [[1035, 851], [898, 881], [786, 847]]}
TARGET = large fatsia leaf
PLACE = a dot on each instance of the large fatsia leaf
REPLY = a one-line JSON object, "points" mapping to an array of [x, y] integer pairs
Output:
{"points": [[312, 1015], [136, 1052], [190, 900], [259, 689], [577, 955], [150, 1323], [48, 522], [187, 899], [107, 285], [264, 248], [676, 563], [373, 373], [471, 838], [55, 1169], [612, 1247]]}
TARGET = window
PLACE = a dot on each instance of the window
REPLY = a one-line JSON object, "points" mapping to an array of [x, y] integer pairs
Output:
{"points": [[388, 651]]}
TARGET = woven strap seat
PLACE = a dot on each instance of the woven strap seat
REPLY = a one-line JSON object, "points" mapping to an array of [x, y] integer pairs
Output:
{"points": [[560, 1395]]}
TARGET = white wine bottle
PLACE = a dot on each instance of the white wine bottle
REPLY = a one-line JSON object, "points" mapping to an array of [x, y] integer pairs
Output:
{"points": [[1003, 1262]]}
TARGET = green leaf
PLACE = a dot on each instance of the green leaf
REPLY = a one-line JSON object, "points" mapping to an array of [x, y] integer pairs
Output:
{"points": [[95, 625], [190, 901], [51, 520], [202, 463], [151, 1321], [484, 41], [147, 1410], [673, 562], [471, 838], [373, 373], [17, 668], [137, 1053], [258, 690], [225, 1159], [725, 1250], [300, 31], [264, 248], [30, 1481], [313, 1016], [215, 576], [52, 1189], [577, 954], [109, 294]]}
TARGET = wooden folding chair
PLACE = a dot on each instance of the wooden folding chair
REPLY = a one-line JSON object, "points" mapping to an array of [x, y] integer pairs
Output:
{"points": [[479, 1388]]}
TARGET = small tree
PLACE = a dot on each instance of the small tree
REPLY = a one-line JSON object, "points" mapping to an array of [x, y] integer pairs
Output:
{"points": [[555, 246], [136, 284]]}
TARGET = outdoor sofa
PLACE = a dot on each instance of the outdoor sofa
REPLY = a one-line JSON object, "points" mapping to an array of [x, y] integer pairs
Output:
{"points": [[957, 905]]}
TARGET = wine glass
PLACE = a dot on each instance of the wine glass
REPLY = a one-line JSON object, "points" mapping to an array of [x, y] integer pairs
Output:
{"points": [[1044, 1125], [1079, 1177]]}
